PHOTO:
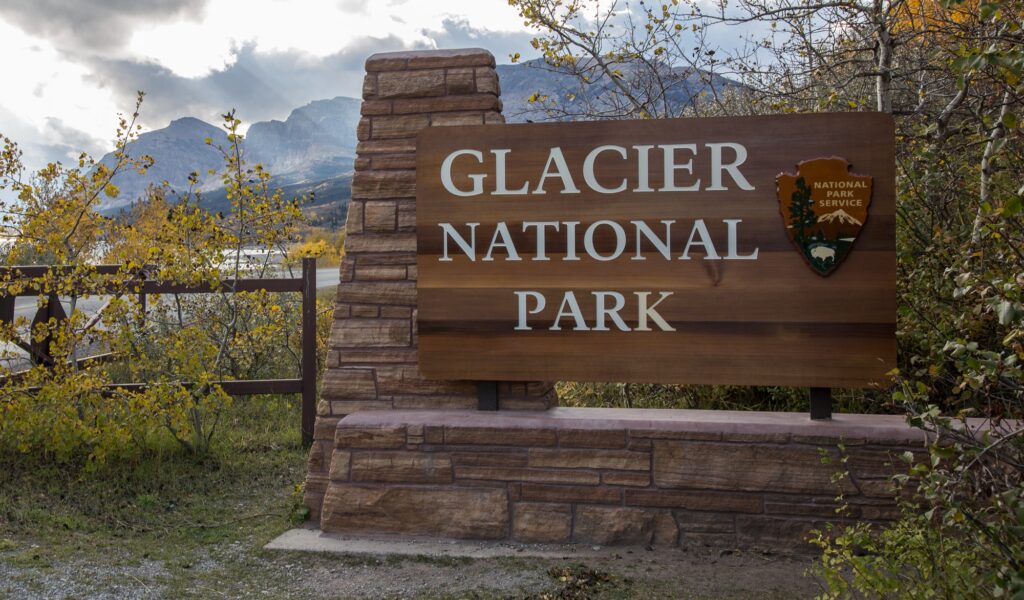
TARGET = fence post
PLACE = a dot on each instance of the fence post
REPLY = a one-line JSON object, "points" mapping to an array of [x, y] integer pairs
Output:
{"points": [[308, 349]]}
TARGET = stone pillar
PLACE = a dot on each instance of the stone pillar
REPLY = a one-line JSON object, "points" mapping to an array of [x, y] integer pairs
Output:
{"points": [[372, 362]]}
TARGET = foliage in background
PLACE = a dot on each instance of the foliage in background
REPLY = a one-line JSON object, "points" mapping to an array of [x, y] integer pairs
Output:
{"points": [[717, 397], [950, 72], [181, 344]]}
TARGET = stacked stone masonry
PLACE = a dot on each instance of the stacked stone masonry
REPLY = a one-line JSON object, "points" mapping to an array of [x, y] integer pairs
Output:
{"points": [[749, 480], [382, 463], [371, 361]]}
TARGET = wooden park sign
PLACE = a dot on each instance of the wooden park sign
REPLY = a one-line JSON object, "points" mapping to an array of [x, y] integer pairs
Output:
{"points": [[747, 251]]}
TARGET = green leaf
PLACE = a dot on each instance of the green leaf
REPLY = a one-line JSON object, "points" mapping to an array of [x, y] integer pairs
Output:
{"points": [[1012, 206]]}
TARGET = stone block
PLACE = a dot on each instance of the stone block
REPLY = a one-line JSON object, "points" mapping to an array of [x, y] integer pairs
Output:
{"points": [[708, 501], [406, 379], [383, 185], [387, 61], [341, 408], [537, 522], [364, 356], [806, 508], [380, 216], [395, 146], [762, 438], [626, 478], [370, 438], [407, 216], [661, 434], [350, 384], [591, 438], [354, 218], [319, 454], [373, 108], [417, 106], [369, 86], [347, 273], [364, 310], [498, 436], [363, 129], [457, 118], [324, 428], [561, 493], [622, 460], [826, 441], [747, 467], [487, 459], [873, 462], [399, 293], [380, 273], [401, 124], [666, 532], [607, 525], [401, 467], [703, 522], [371, 242], [370, 332], [473, 513], [530, 475], [393, 161], [460, 57], [395, 312], [487, 82], [433, 434], [779, 535], [493, 118], [411, 84], [877, 488], [461, 81], [340, 460], [401, 258], [640, 445], [434, 402]]}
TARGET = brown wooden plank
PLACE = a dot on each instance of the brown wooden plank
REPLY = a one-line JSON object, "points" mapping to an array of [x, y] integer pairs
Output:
{"points": [[770, 321]]}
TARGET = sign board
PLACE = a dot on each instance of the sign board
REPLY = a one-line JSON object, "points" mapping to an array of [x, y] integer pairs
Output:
{"points": [[739, 250]]}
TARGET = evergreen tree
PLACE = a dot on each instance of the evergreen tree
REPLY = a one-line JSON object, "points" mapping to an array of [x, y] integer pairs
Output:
{"points": [[801, 212]]}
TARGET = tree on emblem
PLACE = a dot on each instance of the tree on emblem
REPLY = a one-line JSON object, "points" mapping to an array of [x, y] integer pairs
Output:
{"points": [[801, 212]]}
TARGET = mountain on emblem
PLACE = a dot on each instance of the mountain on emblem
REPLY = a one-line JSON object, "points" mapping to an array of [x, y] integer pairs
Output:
{"points": [[824, 207]]}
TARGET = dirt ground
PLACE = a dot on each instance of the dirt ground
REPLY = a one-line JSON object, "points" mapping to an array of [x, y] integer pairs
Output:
{"points": [[240, 570]]}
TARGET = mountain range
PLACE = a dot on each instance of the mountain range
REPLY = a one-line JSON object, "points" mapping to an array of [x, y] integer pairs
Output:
{"points": [[313, 150]]}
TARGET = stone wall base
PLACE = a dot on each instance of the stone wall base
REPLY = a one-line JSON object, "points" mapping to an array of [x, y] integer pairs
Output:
{"points": [[612, 476]]}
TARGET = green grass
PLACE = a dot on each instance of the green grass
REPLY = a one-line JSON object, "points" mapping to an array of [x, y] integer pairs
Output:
{"points": [[164, 506]]}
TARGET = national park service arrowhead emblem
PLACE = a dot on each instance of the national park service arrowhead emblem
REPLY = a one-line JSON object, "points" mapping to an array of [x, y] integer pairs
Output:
{"points": [[824, 207]]}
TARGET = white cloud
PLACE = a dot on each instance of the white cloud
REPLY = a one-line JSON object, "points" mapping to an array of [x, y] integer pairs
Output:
{"points": [[318, 28], [41, 85], [79, 62]]}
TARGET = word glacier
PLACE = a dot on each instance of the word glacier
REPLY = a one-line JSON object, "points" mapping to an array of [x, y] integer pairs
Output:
{"points": [[614, 236], [557, 168]]}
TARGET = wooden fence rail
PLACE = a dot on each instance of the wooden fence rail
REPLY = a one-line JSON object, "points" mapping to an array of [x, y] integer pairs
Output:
{"points": [[305, 384]]}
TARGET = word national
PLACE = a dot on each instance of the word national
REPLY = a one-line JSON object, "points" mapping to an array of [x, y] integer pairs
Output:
{"points": [[617, 241]]}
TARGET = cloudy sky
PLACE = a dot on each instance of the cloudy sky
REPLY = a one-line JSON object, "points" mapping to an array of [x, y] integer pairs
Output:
{"points": [[71, 65]]}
